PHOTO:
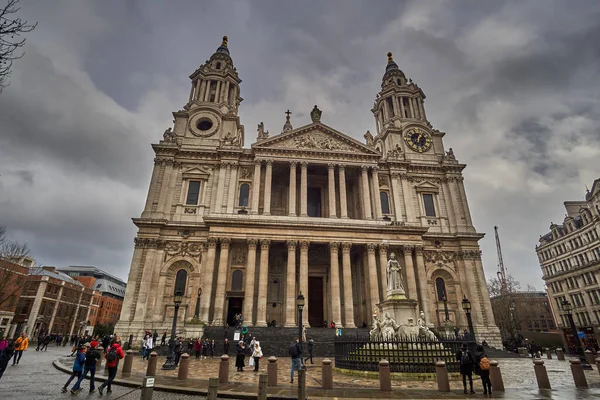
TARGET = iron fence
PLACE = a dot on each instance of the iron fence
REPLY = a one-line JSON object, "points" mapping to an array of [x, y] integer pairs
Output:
{"points": [[405, 354]]}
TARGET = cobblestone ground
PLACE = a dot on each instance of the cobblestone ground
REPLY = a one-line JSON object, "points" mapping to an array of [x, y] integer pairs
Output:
{"points": [[34, 378]]}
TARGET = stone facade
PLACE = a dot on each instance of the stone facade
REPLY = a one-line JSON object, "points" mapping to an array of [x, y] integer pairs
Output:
{"points": [[310, 209], [569, 256]]}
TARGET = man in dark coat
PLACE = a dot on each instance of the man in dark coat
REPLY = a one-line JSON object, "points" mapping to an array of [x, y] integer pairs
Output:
{"points": [[310, 350], [240, 350], [464, 357]]}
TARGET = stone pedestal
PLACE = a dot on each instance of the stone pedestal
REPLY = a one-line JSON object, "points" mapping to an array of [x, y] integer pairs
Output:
{"points": [[400, 309]]}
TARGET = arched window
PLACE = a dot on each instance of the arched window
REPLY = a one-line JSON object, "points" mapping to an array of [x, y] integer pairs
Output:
{"points": [[244, 195], [440, 287], [180, 281], [218, 65], [385, 202], [236, 280]]}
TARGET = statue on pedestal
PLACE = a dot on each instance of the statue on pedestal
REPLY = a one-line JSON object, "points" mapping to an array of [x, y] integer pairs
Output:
{"points": [[394, 276]]}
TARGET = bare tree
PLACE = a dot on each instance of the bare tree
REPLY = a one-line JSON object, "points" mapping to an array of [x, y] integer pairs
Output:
{"points": [[11, 29], [9, 249], [11, 279]]}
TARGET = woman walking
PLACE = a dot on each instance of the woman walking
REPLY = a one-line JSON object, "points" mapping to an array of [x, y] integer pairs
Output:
{"points": [[198, 348], [256, 354]]}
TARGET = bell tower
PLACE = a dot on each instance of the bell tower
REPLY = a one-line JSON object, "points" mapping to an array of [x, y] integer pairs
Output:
{"points": [[210, 117], [402, 125]]}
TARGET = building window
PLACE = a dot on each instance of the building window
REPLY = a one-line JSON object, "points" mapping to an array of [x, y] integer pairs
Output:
{"points": [[236, 280], [385, 202], [218, 65], [193, 193], [440, 287], [244, 195], [180, 281], [429, 207]]}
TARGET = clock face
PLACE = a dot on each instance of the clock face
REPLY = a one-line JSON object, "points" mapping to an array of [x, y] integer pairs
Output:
{"points": [[418, 140]]}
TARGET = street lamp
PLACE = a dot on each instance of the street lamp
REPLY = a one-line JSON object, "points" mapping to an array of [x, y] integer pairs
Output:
{"points": [[466, 306], [446, 314], [197, 312], [170, 363], [300, 305], [568, 307]]}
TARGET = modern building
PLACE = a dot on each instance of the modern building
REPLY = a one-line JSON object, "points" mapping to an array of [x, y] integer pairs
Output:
{"points": [[112, 291], [311, 209], [570, 259]]}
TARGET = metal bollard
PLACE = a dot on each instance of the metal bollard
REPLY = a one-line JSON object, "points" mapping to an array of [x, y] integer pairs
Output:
{"points": [[147, 388], [127, 363], [213, 388], [496, 377], [184, 366], [578, 374], [598, 364], [548, 354], [99, 361], [151, 368], [589, 357], [560, 354], [224, 369], [272, 371], [385, 381], [302, 384], [541, 375], [441, 374], [326, 374], [262, 387]]}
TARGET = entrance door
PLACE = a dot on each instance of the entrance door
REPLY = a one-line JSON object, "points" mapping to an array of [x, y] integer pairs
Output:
{"points": [[235, 307], [315, 301], [314, 202]]}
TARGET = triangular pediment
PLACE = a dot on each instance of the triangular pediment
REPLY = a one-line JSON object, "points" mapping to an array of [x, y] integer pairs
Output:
{"points": [[196, 171], [316, 137]]}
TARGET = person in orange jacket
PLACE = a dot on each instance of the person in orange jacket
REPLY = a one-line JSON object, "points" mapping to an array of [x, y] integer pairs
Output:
{"points": [[21, 345]]}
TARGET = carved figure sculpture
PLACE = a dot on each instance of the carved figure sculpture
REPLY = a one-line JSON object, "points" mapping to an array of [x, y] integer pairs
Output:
{"points": [[375, 332], [394, 276], [388, 328], [262, 134], [424, 331], [369, 138], [450, 154], [169, 135], [315, 114]]}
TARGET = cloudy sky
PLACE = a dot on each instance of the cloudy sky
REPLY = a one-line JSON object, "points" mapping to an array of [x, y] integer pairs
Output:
{"points": [[514, 85]]}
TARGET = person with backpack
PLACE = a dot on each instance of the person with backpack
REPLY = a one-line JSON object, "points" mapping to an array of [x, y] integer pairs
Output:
{"points": [[482, 368], [77, 366], [310, 351], [114, 354], [466, 366], [296, 354], [91, 357]]}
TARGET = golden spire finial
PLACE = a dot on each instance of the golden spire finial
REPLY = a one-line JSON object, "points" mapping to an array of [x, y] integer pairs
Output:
{"points": [[225, 39], [390, 59]]}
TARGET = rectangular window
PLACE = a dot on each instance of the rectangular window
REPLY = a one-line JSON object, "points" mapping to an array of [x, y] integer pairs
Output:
{"points": [[193, 193], [429, 207]]}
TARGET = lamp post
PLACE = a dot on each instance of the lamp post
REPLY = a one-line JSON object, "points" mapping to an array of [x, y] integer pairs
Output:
{"points": [[466, 306], [568, 307], [446, 314], [170, 363], [300, 305], [197, 311]]}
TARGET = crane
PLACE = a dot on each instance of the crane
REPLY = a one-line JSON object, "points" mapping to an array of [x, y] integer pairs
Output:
{"points": [[501, 270]]}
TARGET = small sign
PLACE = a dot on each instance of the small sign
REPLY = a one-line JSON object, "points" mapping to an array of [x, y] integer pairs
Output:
{"points": [[580, 335], [236, 336], [149, 382]]}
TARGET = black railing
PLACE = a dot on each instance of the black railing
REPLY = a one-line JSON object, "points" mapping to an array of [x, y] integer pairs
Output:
{"points": [[405, 354]]}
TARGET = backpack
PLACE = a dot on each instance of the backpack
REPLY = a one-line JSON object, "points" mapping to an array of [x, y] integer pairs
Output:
{"points": [[484, 364], [294, 350], [465, 359], [112, 355]]}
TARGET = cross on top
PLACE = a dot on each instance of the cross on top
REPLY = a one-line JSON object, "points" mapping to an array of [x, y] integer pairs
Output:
{"points": [[288, 112]]}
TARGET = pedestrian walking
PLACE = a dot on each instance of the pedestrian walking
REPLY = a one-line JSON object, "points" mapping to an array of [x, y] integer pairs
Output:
{"points": [[163, 339], [21, 345], [91, 357], [482, 368], [213, 348], [465, 358], [198, 348], [178, 350], [240, 350], [7, 349], [155, 338], [226, 346], [296, 354], [149, 347], [309, 347], [77, 366], [114, 354], [257, 354], [41, 337]]}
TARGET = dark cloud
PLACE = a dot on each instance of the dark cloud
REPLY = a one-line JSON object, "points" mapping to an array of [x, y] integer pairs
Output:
{"points": [[512, 84]]}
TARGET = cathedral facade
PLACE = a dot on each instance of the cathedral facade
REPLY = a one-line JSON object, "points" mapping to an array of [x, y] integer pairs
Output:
{"points": [[311, 209]]}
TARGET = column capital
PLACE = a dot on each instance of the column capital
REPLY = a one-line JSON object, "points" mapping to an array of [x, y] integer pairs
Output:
{"points": [[269, 162], [225, 242], [331, 166], [419, 250], [252, 243], [375, 168], [265, 243], [346, 246], [364, 168], [257, 162], [334, 246], [383, 247], [293, 164], [303, 164], [291, 244], [211, 242], [407, 249], [371, 247], [341, 167], [304, 244]]}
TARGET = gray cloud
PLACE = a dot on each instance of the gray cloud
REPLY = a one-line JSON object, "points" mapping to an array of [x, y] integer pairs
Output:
{"points": [[512, 84]]}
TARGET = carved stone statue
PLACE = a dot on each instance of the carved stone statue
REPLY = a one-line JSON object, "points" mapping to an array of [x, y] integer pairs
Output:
{"points": [[262, 134], [375, 332], [388, 328], [315, 114], [395, 153], [230, 140], [394, 276], [169, 135], [423, 329], [369, 138], [450, 154]]}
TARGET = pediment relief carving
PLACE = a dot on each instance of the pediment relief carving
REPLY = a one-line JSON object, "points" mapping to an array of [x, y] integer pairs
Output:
{"points": [[196, 172]]}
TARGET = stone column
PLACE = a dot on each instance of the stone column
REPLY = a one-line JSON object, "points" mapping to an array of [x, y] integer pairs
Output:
{"points": [[303, 189], [383, 258], [304, 278], [55, 310], [290, 288], [249, 289], [37, 303], [376, 198], [423, 292], [347, 278], [422, 108], [334, 279], [397, 195], [263, 284], [222, 278], [402, 113], [366, 197], [408, 198], [232, 189], [449, 204], [221, 187], [200, 95], [343, 201], [208, 279], [207, 91], [217, 91], [292, 195], [373, 281], [411, 282], [268, 178], [412, 108], [465, 204], [255, 187], [331, 184]]}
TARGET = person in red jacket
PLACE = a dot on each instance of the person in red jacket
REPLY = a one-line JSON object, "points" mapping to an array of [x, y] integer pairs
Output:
{"points": [[113, 355]]}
